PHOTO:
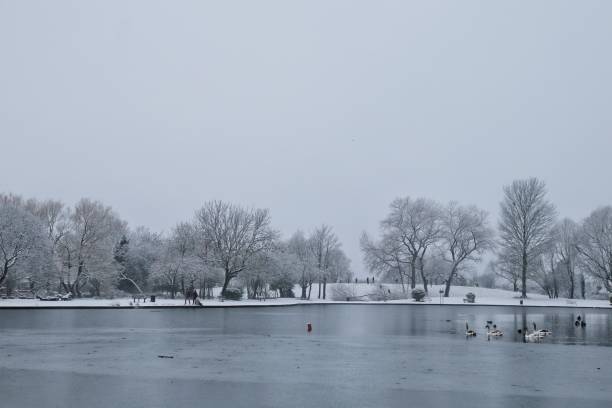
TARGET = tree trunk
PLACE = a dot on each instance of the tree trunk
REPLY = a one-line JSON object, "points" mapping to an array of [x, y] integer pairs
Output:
{"points": [[582, 286], [303, 297], [524, 276], [571, 279], [324, 286], [226, 282], [319, 295], [413, 274], [449, 281], [309, 289], [422, 271], [5, 270]]}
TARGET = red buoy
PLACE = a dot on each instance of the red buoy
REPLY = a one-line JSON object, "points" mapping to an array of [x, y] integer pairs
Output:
{"points": [[309, 327]]}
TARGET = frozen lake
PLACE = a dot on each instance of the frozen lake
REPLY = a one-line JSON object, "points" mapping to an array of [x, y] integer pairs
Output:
{"points": [[356, 356]]}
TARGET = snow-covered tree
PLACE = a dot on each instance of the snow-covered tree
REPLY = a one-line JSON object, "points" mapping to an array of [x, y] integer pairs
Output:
{"points": [[177, 267], [526, 221], [322, 242], [386, 258], [465, 236], [232, 235], [415, 224], [299, 247], [22, 237], [87, 248], [595, 245], [566, 235]]}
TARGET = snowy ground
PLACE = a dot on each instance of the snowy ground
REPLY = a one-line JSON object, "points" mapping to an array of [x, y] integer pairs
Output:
{"points": [[483, 297]]}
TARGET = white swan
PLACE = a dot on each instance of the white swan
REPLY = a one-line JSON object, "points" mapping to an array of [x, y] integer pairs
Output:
{"points": [[541, 332]]}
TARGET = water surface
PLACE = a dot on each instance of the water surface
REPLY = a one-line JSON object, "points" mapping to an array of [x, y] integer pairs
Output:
{"points": [[357, 355]]}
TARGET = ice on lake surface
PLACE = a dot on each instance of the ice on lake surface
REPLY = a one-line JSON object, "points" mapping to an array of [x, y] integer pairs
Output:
{"points": [[356, 356]]}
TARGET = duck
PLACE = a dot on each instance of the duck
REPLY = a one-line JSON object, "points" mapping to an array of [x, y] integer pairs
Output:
{"points": [[469, 332], [580, 322], [495, 332]]}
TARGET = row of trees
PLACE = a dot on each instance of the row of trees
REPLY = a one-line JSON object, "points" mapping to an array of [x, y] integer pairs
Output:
{"points": [[421, 240], [417, 232], [88, 249]]}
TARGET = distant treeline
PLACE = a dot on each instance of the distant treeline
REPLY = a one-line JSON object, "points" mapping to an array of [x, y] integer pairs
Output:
{"points": [[422, 241], [88, 250]]}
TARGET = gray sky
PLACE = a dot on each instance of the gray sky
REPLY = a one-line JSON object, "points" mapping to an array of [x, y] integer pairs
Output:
{"points": [[322, 111]]}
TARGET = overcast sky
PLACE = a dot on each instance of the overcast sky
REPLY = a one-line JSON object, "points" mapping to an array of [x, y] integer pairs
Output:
{"points": [[322, 111]]}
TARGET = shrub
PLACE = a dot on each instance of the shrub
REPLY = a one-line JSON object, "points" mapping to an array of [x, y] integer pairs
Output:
{"points": [[384, 293], [470, 297], [344, 292], [233, 294], [418, 294]]}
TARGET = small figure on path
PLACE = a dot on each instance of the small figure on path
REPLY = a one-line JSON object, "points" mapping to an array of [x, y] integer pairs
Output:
{"points": [[188, 295]]}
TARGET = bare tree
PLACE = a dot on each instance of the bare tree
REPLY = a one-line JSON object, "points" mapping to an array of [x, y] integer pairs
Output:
{"points": [[21, 235], [339, 266], [416, 225], [465, 236], [322, 242], [233, 235], [595, 245], [507, 267], [545, 271], [526, 222], [386, 258], [566, 248], [299, 247]]}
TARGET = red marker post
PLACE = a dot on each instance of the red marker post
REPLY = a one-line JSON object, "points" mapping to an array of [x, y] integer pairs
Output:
{"points": [[309, 327]]}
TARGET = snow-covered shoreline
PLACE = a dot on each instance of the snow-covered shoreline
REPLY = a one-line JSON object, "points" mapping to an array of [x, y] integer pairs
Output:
{"points": [[484, 297]]}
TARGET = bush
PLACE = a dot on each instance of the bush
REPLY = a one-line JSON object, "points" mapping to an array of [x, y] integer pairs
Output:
{"points": [[384, 293], [233, 294], [344, 292], [470, 297], [610, 297], [418, 294]]}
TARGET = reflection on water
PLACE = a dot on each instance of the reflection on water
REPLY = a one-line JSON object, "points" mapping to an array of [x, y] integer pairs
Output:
{"points": [[341, 320]]}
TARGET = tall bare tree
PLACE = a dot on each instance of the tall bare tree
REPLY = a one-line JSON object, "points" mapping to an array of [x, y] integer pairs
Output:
{"points": [[323, 241], [526, 220], [386, 258], [465, 236], [233, 235], [299, 247], [416, 225], [595, 245], [566, 249]]}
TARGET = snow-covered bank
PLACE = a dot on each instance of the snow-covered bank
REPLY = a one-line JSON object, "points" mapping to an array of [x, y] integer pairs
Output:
{"points": [[484, 296]]}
